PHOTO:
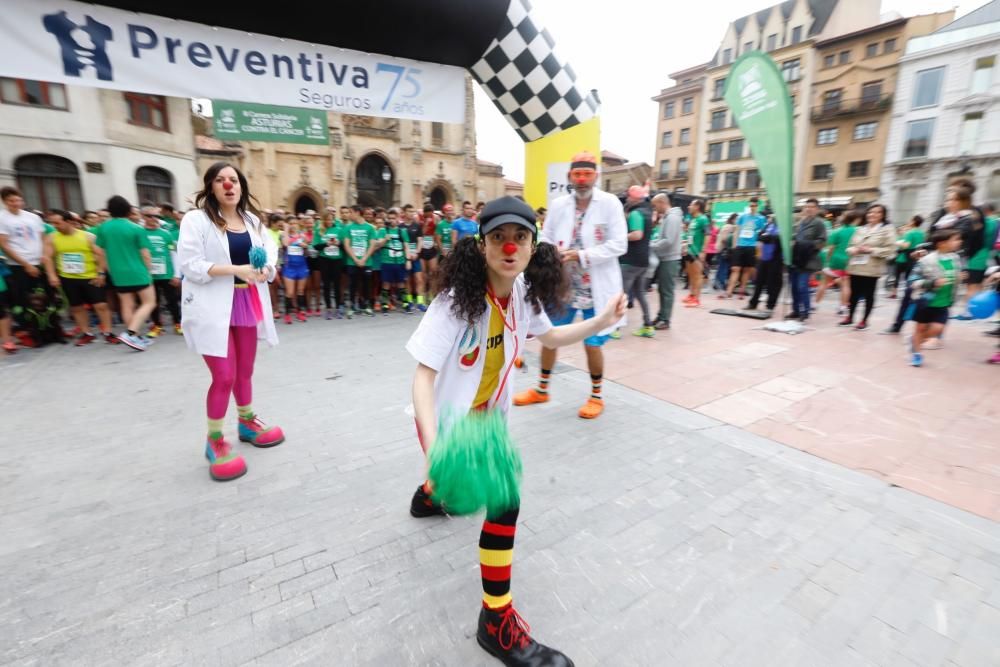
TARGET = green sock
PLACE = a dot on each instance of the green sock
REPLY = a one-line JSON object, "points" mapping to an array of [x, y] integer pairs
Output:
{"points": [[245, 411], [215, 428], [420, 298]]}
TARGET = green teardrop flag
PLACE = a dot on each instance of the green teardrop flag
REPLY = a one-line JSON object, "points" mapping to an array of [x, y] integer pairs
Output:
{"points": [[758, 96]]}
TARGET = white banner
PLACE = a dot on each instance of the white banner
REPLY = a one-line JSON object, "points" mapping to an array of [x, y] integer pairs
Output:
{"points": [[90, 45]]}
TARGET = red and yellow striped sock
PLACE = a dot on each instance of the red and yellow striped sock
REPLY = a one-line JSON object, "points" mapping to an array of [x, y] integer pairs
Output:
{"points": [[496, 552]]}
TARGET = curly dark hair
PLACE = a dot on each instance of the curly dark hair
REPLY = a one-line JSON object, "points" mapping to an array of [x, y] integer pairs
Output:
{"points": [[464, 273]]}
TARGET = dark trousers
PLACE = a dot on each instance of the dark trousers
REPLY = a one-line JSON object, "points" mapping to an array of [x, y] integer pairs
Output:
{"points": [[904, 307], [862, 287], [769, 277], [798, 282], [166, 294], [360, 277], [331, 269]]}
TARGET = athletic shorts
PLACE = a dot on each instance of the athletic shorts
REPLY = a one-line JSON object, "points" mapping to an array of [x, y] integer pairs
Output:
{"points": [[298, 270], [835, 273], [130, 289], [79, 292], [567, 318], [975, 276], [312, 263], [428, 253], [745, 257], [393, 274], [928, 315], [416, 266]]}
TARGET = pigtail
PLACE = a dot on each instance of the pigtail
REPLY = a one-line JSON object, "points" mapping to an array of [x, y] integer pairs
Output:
{"points": [[463, 272], [548, 285]]}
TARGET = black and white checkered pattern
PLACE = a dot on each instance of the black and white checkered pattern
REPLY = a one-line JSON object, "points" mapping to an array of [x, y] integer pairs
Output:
{"points": [[534, 90]]}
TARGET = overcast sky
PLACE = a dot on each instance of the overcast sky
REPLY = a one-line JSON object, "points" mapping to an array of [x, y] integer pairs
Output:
{"points": [[625, 50]]}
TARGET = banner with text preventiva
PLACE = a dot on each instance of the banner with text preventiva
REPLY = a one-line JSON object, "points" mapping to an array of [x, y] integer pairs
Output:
{"points": [[90, 45]]}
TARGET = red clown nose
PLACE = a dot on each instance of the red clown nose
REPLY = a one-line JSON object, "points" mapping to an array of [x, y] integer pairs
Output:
{"points": [[509, 248], [227, 186]]}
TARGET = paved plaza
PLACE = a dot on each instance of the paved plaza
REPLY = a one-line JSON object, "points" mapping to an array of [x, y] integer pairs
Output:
{"points": [[656, 535]]}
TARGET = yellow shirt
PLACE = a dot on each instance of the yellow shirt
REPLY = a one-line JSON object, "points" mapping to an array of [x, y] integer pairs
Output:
{"points": [[493, 364], [74, 258]]}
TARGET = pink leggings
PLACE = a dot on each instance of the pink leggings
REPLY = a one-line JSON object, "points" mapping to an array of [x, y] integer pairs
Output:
{"points": [[232, 373]]}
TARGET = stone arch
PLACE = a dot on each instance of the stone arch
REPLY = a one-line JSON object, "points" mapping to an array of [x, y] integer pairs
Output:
{"points": [[299, 200]]}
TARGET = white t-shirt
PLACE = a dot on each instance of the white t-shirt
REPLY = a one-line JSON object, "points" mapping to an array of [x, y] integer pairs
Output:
{"points": [[24, 232], [442, 341]]}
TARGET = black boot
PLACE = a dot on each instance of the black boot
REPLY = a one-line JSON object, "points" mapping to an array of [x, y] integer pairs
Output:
{"points": [[504, 635], [422, 506]]}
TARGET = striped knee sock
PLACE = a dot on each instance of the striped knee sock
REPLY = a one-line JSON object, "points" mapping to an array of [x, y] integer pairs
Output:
{"points": [[215, 428], [595, 387], [245, 411], [543, 381], [496, 551]]}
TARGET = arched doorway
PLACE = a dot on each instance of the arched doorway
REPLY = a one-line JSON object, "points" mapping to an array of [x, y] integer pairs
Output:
{"points": [[438, 198], [305, 203], [49, 181], [154, 185], [374, 180]]}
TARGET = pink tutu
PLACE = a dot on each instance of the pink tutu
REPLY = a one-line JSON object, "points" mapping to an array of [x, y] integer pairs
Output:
{"points": [[247, 310]]}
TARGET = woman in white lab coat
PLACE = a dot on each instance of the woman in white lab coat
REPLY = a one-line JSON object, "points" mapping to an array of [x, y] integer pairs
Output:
{"points": [[223, 303]]}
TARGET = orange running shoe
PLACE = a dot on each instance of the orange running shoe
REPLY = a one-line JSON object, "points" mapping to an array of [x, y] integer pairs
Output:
{"points": [[592, 408], [530, 396]]}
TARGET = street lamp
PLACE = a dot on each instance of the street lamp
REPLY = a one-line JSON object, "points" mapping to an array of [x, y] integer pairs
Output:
{"points": [[386, 173]]}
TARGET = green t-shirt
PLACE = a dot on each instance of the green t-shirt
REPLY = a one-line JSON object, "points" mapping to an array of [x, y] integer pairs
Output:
{"points": [[636, 223], [914, 237], [122, 240], [3, 284], [394, 250], [697, 229], [840, 239], [944, 296], [376, 261], [979, 261], [334, 231], [170, 225], [444, 231], [358, 235], [161, 244]]}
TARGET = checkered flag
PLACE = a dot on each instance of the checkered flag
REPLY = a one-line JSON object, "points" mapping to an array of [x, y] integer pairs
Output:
{"points": [[533, 89]]}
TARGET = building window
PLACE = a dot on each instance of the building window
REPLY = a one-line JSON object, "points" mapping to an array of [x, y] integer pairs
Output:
{"points": [[831, 100], [927, 87], [918, 138], [154, 185], [889, 46], [732, 180], [864, 131], [906, 202], [982, 77], [790, 70], [829, 60], [667, 140], [34, 93], [49, 181], [796, 34], [685, 137], [715, 151], [727, 56], [858, 169], [871, 50], [437, 134], [664, 168], [687, 105], [668, 109], [682, 166], [993, 191], [871, 92], [753, 180], [718, 120], [719, 88], [147, 110], [772, 42], [748, 47], [827, 136], [970, 132], [822, 172], [844, 57], [711, 182], [735, 149]]}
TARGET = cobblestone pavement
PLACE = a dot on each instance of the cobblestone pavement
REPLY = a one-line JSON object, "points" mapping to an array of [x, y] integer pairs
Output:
{"points": [[655, 535]]}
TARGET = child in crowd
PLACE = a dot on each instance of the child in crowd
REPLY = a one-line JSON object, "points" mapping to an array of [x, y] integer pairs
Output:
{"points": [[934, 280]]}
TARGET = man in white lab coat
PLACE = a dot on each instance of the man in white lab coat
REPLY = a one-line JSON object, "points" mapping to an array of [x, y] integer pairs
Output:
{"points": [[588, 227]]}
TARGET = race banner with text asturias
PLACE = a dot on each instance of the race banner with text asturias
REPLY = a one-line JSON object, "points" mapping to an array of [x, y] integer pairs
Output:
{"points": [[90, 45], [239, 121]]}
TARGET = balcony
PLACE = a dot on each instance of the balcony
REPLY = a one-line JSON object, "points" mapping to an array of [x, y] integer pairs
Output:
{"points": [[849, 107]]}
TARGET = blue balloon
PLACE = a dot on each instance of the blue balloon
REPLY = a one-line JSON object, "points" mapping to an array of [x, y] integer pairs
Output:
{"points": [[984, 304]]}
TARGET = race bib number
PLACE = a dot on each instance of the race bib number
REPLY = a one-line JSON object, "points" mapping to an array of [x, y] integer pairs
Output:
{"points": [[428, 242], [72, 263], [859, 259], [159, 267], [294, 251], [332, 251], [746, 233], [313, 253]]}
